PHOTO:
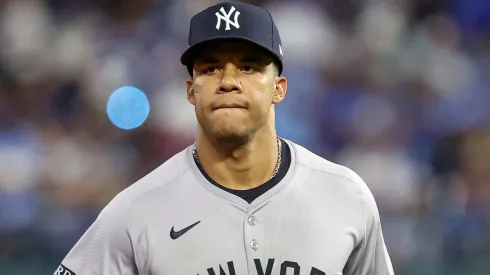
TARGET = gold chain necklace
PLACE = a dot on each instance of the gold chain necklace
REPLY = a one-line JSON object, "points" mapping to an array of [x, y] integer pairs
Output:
{"points": [[279, 156]]}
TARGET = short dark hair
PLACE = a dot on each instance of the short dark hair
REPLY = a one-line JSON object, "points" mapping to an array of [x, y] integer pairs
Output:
{"points": [[276, 67]]}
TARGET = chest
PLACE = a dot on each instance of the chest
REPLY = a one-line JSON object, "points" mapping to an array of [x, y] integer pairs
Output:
{"points": [[283, 239]]}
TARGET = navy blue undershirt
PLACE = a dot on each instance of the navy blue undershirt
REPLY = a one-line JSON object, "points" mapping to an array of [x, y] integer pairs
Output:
{"points": [[251, 194]]}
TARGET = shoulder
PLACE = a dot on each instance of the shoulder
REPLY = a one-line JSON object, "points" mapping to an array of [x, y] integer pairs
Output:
{"points": [[160, 178], [328, 177], [110, 242]]}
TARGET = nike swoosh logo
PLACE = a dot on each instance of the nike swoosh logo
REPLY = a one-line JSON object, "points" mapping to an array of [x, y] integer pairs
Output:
{"points": [[177, 234]]}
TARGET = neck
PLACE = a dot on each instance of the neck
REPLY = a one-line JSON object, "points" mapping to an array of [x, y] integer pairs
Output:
{"points": [[241, 166]]}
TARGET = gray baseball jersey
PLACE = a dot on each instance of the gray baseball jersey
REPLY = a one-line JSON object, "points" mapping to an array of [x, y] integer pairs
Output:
{"points": [[320, 219]]}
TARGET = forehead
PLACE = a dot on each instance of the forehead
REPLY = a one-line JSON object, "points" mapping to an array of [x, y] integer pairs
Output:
{"points": [[232, 50]]}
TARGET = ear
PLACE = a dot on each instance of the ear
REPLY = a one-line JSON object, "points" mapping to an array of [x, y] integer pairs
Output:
{"points": [[190, 91], [280, 91]]}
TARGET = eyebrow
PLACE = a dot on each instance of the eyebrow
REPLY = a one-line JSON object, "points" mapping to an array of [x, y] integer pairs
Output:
{"points": [[255, 59], [260, 60]]}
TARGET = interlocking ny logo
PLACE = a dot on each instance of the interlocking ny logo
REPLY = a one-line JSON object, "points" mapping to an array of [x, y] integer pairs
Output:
{"points": [[226, 17]]}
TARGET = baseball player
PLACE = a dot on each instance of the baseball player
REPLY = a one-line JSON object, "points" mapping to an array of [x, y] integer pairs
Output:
{"points": [[241, 200]]}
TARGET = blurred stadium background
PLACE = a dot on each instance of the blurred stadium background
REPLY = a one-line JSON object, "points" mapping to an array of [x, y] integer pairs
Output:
{"points": [[397, 90]]}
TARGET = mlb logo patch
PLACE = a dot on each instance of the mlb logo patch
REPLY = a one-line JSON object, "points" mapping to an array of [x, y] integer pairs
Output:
{"points": [[63, 270]]}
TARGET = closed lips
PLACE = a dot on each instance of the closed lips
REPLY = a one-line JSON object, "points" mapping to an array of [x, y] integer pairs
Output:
{"points": [[229, 106]]}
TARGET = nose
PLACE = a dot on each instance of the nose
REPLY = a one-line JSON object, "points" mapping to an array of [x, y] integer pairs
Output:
{"points": [[229, 81]]}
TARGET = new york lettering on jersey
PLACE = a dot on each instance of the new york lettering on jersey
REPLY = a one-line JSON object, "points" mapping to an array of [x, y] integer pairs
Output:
{"points": [[287, 267]]}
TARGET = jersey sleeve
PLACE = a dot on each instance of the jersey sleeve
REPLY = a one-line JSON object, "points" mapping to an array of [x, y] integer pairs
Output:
{"points": [[105, 248], [371, 256]]}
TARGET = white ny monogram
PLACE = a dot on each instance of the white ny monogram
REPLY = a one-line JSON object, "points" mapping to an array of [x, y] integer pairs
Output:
{"points": [[226, 17]]}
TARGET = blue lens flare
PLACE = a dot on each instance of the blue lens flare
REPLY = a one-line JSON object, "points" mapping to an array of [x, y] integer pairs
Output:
{"points": [[128, 107]]}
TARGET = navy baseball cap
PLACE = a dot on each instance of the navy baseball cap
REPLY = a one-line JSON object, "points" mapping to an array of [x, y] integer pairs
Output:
{"points": [[233, 21]]}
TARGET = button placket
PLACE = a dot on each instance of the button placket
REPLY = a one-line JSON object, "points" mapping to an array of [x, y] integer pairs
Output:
{"points": [[255, 241], [252, 232]]}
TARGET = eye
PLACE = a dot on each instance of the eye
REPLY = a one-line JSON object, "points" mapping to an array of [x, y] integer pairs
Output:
{"points": [[210, 70], [248, 69]]}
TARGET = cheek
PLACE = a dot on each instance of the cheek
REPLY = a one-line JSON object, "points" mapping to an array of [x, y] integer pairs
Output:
{"points": [[201, 100], [200, 103], [264, 96], [261, 104], [199, 93]]}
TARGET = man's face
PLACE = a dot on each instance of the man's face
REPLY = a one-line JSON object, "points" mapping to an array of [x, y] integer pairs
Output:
{"points": [[233, 89]]}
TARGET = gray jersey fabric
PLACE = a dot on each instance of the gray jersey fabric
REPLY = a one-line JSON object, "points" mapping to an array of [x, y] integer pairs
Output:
{"points": [[320, 219]]}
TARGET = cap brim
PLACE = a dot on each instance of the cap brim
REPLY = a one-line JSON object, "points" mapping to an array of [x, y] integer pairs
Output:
{"points": [[187, 58]]}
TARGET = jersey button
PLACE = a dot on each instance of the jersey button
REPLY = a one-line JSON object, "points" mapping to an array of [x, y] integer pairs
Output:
{"points": [[254, 244], [252, 220]]}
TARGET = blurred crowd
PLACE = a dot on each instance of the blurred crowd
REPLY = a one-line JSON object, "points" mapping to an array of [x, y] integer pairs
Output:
{"points": [[398, 90]]}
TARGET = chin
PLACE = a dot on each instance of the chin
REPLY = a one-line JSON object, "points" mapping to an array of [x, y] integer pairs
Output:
{"points": [[230, 133], [226, 128], [228, 124]]}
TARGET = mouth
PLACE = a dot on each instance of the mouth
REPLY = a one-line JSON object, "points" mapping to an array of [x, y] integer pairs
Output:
{"points": [[228, 106]]}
